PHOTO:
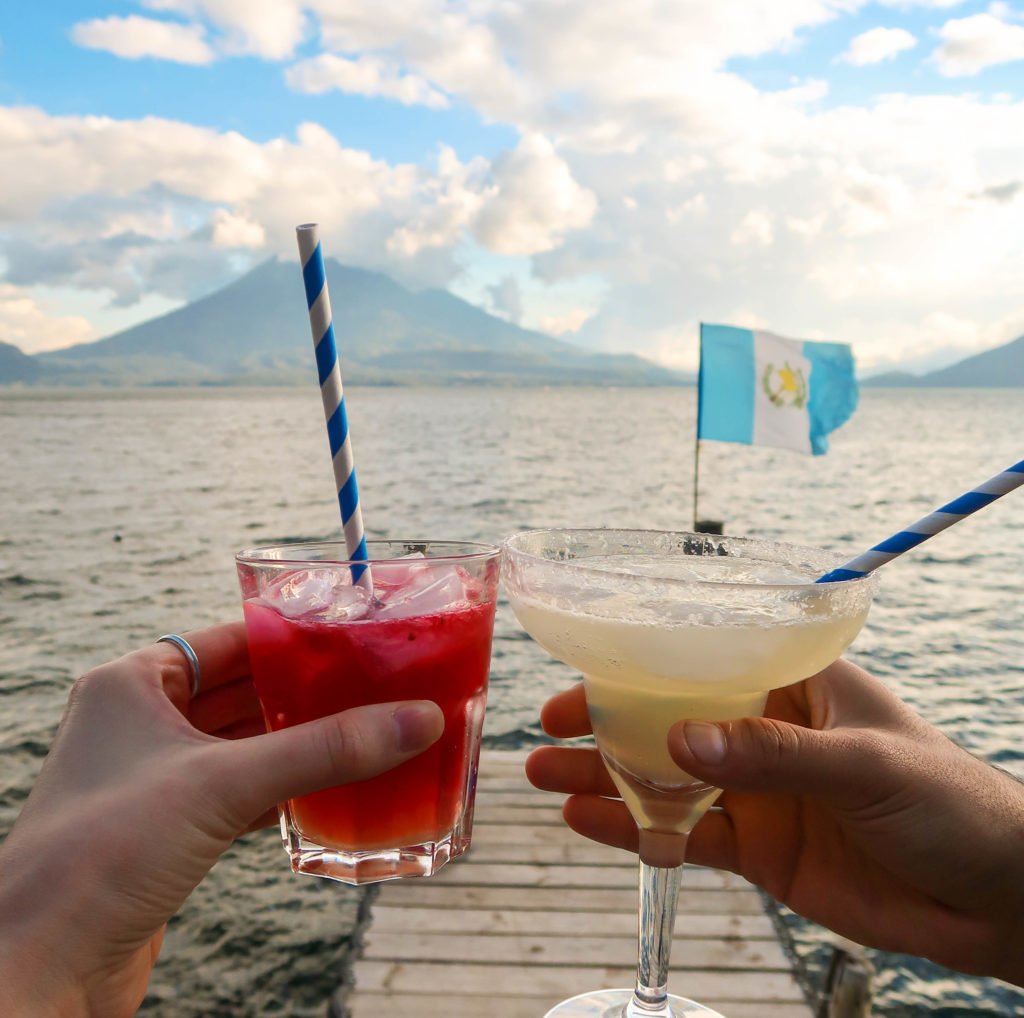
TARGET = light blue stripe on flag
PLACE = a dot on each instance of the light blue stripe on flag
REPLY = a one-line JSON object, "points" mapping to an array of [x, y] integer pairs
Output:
{"points": [[833, 390], [726, 384]]}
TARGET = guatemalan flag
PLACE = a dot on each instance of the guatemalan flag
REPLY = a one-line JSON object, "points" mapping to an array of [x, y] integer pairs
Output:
{"points": [[760, 389]]}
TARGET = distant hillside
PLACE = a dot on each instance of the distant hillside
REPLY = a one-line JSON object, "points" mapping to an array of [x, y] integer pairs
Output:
{"points": [[255, 331], [1002, 367], [16, 366]]}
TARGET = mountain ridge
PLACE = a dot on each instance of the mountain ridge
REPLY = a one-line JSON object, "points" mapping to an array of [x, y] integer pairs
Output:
{"points": [[254, 330], [1000, 367]]}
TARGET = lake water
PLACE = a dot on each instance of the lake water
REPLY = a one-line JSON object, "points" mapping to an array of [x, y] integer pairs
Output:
{"points": [[122, 510]]}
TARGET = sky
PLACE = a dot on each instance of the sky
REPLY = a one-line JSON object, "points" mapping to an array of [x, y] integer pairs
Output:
{"points": [[613, 173]]}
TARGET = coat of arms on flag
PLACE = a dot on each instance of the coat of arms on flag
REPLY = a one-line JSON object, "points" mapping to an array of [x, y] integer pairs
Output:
{"points": [[784, 386]]}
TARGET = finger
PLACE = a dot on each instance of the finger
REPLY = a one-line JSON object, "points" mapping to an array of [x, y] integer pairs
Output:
{"points": [[242, 729], [225, 705], [713, 842], [765, 755], [844, 695], [573, 771], [222, 652], [360, 743], [269, 818], [565, 716], [603, 820]]}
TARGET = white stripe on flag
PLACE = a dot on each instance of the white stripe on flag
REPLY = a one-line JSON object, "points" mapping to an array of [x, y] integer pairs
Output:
{"points": [[781, 389]]}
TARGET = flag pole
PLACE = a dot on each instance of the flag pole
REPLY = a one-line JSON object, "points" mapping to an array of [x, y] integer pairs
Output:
{"points": [[696, 477], [700, 526], [696, 439]]}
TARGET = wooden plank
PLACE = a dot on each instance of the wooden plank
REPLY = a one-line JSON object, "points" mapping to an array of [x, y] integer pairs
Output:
{"points": [[546, 834], [494, 922], [587, 853], [471, 872], [490, 847], [547, 845], [491, 813], [519, 797], [576, 950], [455, 978], [496, 784], [400, 1006], [427, 894], [497, 761]]}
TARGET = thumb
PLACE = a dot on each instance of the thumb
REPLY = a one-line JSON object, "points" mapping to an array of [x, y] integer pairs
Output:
{"points": [[351, 746], [767, 755]]}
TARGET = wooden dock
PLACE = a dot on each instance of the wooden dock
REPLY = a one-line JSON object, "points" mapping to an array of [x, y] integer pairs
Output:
{"points": [[534, 913]]}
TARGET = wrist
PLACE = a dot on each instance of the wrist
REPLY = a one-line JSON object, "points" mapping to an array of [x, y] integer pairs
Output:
{"points": [[34, 986], [37, 936], [1010, 950]]}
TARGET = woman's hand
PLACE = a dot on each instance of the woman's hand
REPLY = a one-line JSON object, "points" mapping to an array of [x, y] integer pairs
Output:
{"points": [[141, 793], [845, 805]]}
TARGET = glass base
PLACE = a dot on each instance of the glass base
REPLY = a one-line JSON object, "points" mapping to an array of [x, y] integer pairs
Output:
{"points": [[375, 864], [613, 1004]]}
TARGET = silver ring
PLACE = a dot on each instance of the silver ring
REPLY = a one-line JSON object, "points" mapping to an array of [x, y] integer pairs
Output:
{"points": [[190, 655]]}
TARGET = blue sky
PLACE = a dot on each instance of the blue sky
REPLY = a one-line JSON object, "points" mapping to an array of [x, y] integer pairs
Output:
{"points": [[41, 66], [824, 168]]}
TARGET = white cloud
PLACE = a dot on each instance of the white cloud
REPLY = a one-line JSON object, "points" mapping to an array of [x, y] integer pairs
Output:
{"points": [[234, 231], [365, 75], [806, 226], [694, 205], [755, 230], [533, 200], [911, 4], [506, 298], [34, 327], [878, 44], [271, 29], [133, 38], [568, 321], [970, 45]]}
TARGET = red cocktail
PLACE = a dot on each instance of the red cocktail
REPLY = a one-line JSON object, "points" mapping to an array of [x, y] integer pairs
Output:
{"points": [[319, 645]]}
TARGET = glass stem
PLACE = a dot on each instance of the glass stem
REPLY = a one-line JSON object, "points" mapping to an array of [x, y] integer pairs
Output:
{"points": [[659, 892]]}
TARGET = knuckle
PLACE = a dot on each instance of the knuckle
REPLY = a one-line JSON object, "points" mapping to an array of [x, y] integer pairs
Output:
{"points": [[884, 752], [777, 743], [90, 684], [346, 745]]}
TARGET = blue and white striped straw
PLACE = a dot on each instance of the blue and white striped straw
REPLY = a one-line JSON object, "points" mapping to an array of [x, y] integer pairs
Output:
{"points": [[928, 526], [318, 300]]}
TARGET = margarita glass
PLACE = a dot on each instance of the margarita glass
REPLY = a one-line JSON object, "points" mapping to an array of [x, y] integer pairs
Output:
{"points": [[665, 627]]}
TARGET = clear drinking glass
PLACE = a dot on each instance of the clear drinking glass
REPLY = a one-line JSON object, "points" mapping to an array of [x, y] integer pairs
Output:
{"points": [[320, 644], [665, 627]]}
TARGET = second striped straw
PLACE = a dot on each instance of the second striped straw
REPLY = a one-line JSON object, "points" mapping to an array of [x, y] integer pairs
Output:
{"points": [[314, 276], [928, 526]]}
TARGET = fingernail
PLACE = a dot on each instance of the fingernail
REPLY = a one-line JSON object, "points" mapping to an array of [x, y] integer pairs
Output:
{"points": [[416, 725], [705, 741]]}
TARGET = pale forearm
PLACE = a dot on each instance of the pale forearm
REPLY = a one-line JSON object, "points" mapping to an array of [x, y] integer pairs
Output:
{"points": [[38, 920], [30, 984]]}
